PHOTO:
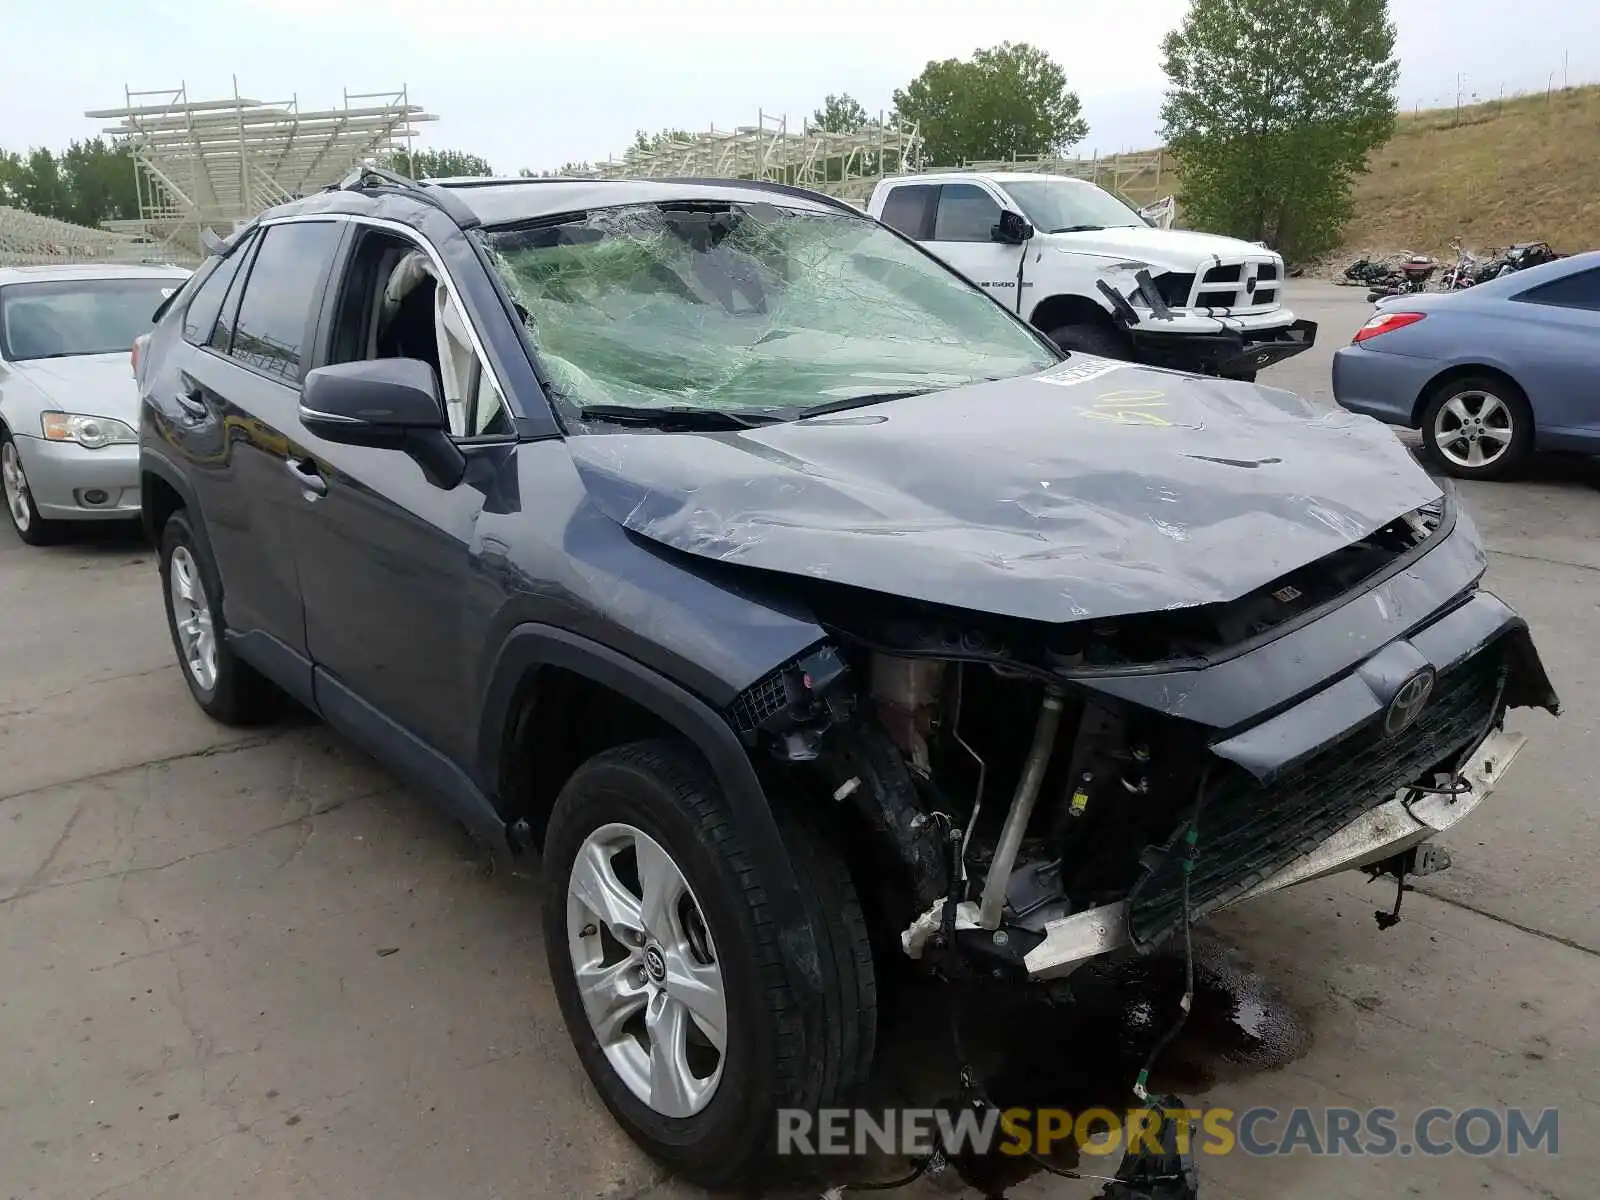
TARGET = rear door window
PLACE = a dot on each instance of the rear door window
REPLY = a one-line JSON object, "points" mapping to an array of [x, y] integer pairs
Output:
{"points": [[281, 297], [909, 208], [966, 213]]}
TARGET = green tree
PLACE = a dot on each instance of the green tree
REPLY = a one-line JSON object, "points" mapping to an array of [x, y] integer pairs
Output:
{"points": [[840, 114], [1273, 108], [13, 173], [43, 187], [100, 182], [654, 141], [573, 169], [1010, 99], [90, 182], [440, 164]]}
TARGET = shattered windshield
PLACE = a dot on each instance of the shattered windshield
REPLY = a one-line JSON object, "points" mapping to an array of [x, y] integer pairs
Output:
{"points": [[1067, 205], [748, 308]]}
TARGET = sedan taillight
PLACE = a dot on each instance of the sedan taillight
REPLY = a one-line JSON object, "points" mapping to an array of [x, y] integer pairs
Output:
{"points": [[1386, 322]]}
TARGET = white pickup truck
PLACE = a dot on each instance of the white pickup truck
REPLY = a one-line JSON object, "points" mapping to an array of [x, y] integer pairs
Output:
{"points": [[1090, 272]]}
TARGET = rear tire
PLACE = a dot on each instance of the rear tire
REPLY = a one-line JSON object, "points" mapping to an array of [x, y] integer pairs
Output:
{"points": [[25, 519], [226, 688], [1098, 340], [1480, 417], [656, 800]]}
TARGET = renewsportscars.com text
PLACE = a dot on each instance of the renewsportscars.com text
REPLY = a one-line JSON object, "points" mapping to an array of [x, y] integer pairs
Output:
{"points": [[1378, 1132]]}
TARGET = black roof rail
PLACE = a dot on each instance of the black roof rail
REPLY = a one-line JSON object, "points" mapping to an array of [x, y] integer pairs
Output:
{"points": [[362, 178]]}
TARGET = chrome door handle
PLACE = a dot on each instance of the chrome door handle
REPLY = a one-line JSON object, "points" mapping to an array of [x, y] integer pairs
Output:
{"points": [[192, 401], [307, 476]]}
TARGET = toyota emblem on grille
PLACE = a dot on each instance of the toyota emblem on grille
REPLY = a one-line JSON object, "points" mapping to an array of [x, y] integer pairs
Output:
{"points": [[1408, 702]]}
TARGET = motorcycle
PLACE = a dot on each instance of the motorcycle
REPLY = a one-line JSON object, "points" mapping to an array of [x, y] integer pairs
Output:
{"points": [[1519, 257], [1370, 272], [1413, 277], [1466, 271]]}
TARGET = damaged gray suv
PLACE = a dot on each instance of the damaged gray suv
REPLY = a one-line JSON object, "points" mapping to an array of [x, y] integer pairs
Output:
{"points": [[805, 610]]}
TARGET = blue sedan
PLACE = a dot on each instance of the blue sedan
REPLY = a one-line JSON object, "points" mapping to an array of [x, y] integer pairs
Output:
{"points": [[1486, 374]]}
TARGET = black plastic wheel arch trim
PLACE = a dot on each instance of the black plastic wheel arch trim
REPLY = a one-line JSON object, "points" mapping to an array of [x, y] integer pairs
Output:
{"points": [[531, 646]]}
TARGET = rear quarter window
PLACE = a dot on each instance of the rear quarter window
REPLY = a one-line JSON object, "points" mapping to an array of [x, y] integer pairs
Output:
{"points": [[1578, 290], [205, 300]]}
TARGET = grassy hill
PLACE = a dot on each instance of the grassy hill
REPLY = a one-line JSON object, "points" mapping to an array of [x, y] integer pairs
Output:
{"points": [[1526, 169]]}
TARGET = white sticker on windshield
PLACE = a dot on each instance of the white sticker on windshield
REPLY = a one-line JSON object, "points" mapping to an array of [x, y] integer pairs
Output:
{"points": [[1080, 369], [166, 293]]}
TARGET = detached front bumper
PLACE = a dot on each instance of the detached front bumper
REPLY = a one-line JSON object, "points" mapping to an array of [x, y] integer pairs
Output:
{"points": [[1195, 340], [1395, 826], [1392, 828], [1226, 353], [70, 482], [1329, 783]]}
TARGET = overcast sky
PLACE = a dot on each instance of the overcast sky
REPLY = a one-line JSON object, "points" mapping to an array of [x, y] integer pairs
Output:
{"points": [[536, 84]]}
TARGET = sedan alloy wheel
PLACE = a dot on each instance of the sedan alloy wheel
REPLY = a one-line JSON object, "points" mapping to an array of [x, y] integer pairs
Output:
{"points": [[1474, 429], [16, 487]]}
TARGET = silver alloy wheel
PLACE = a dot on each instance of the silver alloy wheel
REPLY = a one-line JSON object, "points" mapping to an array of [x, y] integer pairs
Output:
{"points": [[16, 486], [191, 616], [1474, 428], [646, 970]]}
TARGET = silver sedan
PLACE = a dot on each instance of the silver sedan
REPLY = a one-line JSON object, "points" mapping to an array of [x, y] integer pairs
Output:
{"points": [[69, 449]]}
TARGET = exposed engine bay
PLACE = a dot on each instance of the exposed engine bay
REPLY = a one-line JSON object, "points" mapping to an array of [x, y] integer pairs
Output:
{"points": [[1006, 791]]}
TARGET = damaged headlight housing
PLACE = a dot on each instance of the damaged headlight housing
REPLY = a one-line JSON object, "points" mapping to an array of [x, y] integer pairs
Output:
{"points": [[88, 431]]}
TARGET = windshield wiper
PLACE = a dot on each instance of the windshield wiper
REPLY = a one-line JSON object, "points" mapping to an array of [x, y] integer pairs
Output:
{"points": [[675, 416], [849, 402], [1079, 229]]}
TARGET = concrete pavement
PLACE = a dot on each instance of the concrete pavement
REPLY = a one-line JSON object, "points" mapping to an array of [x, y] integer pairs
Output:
{"points": [[251, 965]]}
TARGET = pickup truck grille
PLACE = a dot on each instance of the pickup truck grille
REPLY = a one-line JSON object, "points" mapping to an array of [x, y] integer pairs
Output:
{"points": [[1249, 831], [1251, 284]]}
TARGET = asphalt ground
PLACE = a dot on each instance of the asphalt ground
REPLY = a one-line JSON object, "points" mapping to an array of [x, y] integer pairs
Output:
{"points": [[252, 965]]}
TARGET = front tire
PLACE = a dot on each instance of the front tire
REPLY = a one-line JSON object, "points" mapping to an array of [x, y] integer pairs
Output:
{"points": [[25, 519], [1097, 340], [225, 687], [1478, 427], [669, 968]]}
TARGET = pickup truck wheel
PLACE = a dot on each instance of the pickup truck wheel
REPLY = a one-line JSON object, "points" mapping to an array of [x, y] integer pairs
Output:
{"points": [[225, 687], [1097, 340], [667, 964], [1478, 427]]}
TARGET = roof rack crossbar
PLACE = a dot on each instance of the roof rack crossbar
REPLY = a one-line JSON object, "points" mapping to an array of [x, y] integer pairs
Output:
{"points": [[365, 177]]}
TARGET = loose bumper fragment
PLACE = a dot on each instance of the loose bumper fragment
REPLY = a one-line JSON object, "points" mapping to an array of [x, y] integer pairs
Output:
{"points": [[1382, 832], [1391, 828]]}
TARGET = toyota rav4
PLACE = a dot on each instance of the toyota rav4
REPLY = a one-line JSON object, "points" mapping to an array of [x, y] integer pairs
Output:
{"points": [[805, 610]]}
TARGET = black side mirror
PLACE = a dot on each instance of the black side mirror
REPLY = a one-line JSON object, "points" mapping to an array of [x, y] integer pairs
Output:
{"points": [[385, 404], [1013, 228]]}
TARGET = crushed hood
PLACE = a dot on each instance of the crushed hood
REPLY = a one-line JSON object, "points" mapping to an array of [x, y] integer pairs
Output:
{"points": [[1095, 489]]}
